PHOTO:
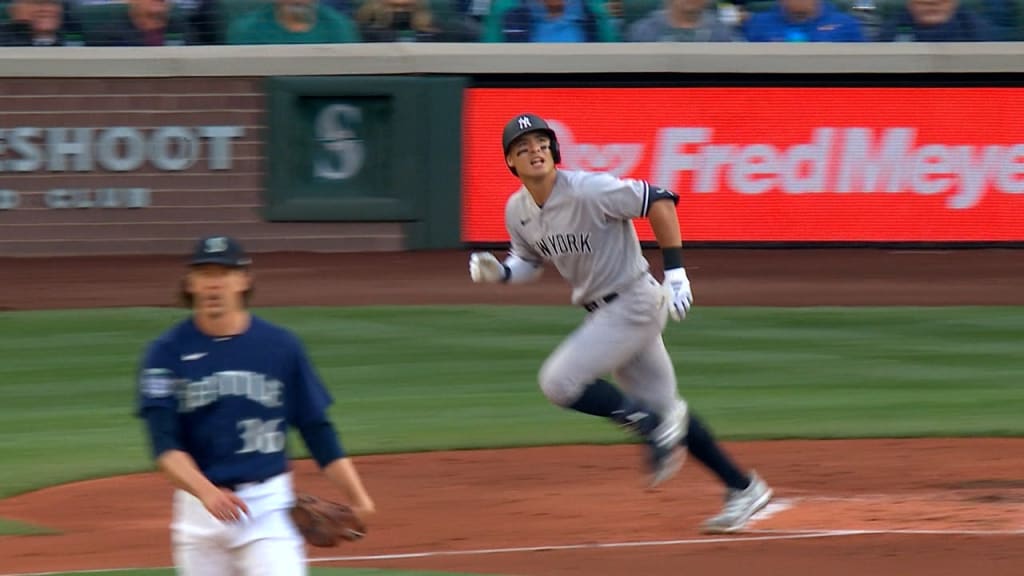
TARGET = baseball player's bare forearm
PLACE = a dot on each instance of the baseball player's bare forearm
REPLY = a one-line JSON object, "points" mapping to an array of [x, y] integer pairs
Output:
{"points": [[342, 472], [662, 216], [183, 472]]}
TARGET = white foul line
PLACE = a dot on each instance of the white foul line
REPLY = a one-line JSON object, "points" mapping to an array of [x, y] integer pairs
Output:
{"points": [[895, 532], [95, 571], [760, 536], [512, 550], [587, 546]]}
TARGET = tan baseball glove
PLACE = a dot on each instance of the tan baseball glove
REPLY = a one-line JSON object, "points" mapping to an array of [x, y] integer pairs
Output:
{"points": [[325, 523]]}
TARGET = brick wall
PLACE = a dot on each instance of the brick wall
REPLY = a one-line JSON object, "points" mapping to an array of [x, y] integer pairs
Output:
{"points": [[182, 203]]}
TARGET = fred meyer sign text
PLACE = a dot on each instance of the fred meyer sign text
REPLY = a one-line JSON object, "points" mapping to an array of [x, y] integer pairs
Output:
{"points": [[777, 164]]}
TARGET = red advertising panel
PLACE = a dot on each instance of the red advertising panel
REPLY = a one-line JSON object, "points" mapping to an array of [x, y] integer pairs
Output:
{"points": [[777, 164]]}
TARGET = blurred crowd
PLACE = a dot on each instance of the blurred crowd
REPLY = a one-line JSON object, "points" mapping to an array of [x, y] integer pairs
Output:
{"points": [[207, 22]]}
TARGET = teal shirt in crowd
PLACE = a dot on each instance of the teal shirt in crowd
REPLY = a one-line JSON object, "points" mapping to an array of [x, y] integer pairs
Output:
{"points": [[261, 27]]}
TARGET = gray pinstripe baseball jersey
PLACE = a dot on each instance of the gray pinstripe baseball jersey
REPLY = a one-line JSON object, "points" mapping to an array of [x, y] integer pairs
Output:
{"points": [[585, 229]]}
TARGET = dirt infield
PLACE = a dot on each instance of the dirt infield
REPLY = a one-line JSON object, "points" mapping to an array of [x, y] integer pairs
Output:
{"points": [[720, 277], [843, 508]]}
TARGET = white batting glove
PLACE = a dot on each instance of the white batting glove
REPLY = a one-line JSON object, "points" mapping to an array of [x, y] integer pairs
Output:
{"points": [[485, 267], [678, 287]]}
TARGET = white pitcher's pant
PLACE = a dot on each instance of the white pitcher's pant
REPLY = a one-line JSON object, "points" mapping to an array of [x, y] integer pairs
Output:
{"points": [[264, 543], [204, 559], [267, 557], [274, 557]]}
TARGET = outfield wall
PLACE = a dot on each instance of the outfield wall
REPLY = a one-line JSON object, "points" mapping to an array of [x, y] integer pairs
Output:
{"points": [[394, 146]]}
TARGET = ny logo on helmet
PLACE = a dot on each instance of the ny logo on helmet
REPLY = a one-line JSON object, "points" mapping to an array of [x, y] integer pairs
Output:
{"points": [[524, 122]]}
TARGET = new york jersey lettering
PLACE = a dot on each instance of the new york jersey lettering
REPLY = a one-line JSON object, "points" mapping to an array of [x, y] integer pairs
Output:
{"points": [[562, 244]]}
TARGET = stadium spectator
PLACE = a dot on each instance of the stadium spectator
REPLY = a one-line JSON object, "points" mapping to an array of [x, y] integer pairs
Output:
{"points": [[346, 7], [1003, 17], [293, 22], [681, 21], [475, 9], [207, 18], [144, 23], [412, 21], [802, 21], [616, 15], [936, 21], [206, 21], [867, 13], [549, 21], [39, 23]]}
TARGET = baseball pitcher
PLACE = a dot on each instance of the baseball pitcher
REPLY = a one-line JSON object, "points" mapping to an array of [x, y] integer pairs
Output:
{"points": [[581, 222], [218, 392]]}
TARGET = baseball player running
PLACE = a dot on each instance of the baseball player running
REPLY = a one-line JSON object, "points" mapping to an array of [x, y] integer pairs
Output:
{"points": [[218, 392], [582, 222]]}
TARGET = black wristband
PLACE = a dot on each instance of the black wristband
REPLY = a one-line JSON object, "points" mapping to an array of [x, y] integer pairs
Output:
{"points": [[672, 257], [507, 272]]}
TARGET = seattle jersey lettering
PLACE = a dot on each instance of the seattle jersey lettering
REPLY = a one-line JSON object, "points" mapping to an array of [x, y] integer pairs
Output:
{"points": [[255, 387]]}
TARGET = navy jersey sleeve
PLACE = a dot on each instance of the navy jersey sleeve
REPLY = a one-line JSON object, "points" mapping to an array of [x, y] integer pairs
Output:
{"points": [[308, 400], [157, 400], [307, 397], [157, 379]]}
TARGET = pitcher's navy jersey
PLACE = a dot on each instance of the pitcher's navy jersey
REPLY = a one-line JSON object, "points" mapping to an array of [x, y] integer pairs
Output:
{"points": [[234, 397]]}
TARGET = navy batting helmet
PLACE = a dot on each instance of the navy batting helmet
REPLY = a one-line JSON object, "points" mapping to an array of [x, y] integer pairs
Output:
{"points": [[523, 124]]}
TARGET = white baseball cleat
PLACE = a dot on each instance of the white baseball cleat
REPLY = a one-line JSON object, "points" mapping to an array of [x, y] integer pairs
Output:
{"points": [[666, 456], [740, 506]]}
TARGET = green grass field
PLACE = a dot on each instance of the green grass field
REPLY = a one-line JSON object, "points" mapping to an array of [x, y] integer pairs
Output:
{"points": [[425, 378], [9, 527]]}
